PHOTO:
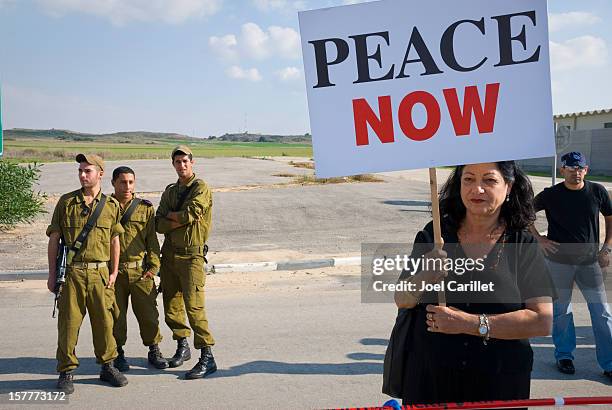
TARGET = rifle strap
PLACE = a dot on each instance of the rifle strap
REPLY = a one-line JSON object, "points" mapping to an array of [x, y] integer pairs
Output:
{"points": [[91, 222], [128, 213], [183, 196]]}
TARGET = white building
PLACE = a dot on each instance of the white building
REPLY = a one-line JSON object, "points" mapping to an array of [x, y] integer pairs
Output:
{"points": [[586, 120], [588, 132]]}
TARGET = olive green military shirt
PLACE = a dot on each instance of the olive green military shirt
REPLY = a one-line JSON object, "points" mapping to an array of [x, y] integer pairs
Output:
{"points": [[195, 215], [139, 241], [70, 216]]}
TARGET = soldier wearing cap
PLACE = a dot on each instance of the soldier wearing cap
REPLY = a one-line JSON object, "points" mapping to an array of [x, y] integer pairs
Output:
{"points": [[91, 273], [138, 265], [184, 217]]}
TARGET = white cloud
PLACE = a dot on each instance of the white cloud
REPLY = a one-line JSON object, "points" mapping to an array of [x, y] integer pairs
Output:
{"points": [[224, 46], [579, 52], [354, 1], [279, 5], [255, 43], [286, 41], [572, 19], [239, 73], [556, 86], [267, 5], [120, 12], [288, 74]]}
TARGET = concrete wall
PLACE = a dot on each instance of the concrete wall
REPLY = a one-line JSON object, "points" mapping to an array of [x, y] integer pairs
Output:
{"points": [[596, 145]]}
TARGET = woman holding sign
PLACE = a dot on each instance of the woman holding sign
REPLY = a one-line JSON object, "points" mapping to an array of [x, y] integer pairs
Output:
{"points": [[497, 288]]}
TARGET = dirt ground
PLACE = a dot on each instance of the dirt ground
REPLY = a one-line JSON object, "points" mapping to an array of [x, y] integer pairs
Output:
{"points": [[263, 218], [231, 284]]}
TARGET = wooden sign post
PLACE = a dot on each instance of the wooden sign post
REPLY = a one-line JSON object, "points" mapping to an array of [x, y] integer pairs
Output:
{"points": [[435, 210]]}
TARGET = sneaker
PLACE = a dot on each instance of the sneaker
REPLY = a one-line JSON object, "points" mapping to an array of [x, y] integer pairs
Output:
{"points": [[111, 375], [64, 383], [566, 366]]}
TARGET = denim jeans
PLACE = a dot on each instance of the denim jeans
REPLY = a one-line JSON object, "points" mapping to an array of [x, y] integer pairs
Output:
{"points": [[589, 279]]}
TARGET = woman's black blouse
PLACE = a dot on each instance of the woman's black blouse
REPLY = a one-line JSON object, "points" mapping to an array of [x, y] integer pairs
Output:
{"points": [[517, 269]]}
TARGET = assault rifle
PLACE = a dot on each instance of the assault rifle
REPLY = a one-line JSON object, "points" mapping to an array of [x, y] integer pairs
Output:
{"points": [[60, 272]]}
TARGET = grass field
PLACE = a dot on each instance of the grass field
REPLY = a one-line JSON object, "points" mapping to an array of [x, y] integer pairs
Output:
{"points": [[47, 150]]}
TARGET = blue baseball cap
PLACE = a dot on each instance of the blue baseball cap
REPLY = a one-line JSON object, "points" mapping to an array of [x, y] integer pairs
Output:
{"points": [[573, 159]]}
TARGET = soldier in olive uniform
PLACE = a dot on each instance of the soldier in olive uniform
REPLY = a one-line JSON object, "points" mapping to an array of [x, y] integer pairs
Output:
{"points": [[138, 265], [91, 273], [184, 217]]}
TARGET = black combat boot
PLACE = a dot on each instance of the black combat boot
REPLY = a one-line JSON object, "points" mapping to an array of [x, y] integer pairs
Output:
{"points": [[205, 366], [110, 374], [156, 358], [120, 363], [64, 383], [183, 353]]}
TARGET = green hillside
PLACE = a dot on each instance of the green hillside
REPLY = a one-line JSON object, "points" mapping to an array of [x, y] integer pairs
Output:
{"points": [[117, 137]]}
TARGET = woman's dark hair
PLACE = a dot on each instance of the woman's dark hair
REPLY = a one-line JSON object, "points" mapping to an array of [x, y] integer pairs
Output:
{"points": [[122, 170], [517, 213]]}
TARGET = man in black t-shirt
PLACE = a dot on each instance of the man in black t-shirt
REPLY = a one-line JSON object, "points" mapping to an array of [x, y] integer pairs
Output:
{"points": [[572, 253]]}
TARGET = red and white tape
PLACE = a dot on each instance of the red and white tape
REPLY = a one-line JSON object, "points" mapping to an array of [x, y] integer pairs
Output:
{"points": [[503, 404]]}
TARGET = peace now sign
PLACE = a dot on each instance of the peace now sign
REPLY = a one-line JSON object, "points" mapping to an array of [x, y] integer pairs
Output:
{"points": [[399, 84]]}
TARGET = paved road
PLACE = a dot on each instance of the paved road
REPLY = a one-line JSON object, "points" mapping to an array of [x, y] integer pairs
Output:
{"points": [[284, 340]]}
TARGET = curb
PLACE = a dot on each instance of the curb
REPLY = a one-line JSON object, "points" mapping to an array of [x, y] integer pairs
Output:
{"points": [[223, 267], [24, 274], [284, 265]]}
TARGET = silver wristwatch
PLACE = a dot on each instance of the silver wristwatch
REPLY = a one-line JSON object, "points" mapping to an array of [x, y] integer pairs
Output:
{"points": [[483, 328]]}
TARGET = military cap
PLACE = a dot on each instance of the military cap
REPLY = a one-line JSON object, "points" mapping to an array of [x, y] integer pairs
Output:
{"points": [[91, 159], [181, 149]]}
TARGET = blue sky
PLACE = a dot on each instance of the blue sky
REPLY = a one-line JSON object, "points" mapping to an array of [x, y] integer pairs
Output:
{"points": [[206, 67]]}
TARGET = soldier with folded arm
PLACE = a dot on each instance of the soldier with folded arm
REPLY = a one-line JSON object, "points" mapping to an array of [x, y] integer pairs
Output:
{"points": [[184, 217]]}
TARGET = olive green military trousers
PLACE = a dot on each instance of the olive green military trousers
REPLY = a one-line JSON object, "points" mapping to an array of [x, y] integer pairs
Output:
{"points": [[85, 292], [182, 281], [143, 294]]}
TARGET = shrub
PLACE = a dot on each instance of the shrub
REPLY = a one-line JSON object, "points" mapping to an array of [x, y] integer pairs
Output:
{"points": [[18, 201]]}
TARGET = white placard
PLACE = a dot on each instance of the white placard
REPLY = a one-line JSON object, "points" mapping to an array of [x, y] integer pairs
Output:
{"points": [[405, 84]]}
